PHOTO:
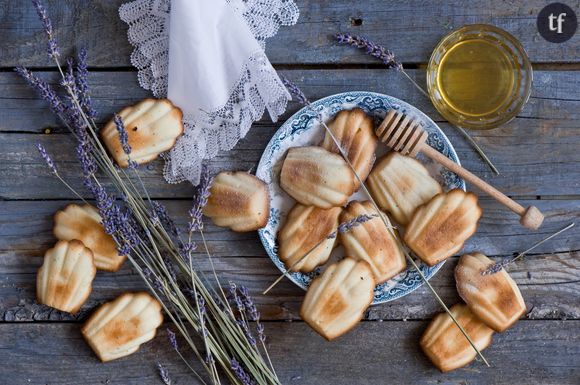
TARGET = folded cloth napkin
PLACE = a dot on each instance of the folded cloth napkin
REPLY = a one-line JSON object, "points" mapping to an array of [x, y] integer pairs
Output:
{"points": [[207, 56]]}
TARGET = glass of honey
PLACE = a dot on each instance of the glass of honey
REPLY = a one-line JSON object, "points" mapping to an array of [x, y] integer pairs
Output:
{"points": [[479, 77]]}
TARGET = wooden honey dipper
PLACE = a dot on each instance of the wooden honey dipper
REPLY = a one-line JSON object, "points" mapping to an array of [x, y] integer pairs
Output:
{"points": [[404, 134]]}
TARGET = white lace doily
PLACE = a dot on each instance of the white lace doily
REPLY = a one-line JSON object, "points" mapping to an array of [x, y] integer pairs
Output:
{"points": [[259, 87]]}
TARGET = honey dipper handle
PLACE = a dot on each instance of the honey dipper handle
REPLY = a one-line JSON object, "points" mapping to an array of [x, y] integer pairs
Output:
{"points": [[530, 217]]}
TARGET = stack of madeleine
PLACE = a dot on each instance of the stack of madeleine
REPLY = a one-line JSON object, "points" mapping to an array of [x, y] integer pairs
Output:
{"points": [[436, 225]]}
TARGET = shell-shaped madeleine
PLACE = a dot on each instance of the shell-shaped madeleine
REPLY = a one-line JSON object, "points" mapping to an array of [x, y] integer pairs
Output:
{"points": [[337, 300], [152, 125], [64, 281], [446, 346], [317, 177], [84, 223], [439, 228], [399, 184], [118, 328], [354, 130], [238, 200], [494, 298], [372, 242], [305, 228]]}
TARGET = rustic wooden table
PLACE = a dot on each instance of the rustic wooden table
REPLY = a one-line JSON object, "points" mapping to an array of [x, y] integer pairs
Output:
{"points": [[538, 155]]}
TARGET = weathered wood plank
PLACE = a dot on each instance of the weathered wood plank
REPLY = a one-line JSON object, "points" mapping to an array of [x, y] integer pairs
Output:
{"points": [[555, 95], [549, 280], [536, 153], [410, 28], [532, 352]]}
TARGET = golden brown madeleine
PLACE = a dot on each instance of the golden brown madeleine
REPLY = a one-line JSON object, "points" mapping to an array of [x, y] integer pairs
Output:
{"points": [[440, 227], [118, 328], [317, 177], [372, 242], [64, 281], [446, 346], [336, 301], [238, 200], [494, 298], [355, 131], [152, 125], [305, 227], [84, 223], [399, 184]]}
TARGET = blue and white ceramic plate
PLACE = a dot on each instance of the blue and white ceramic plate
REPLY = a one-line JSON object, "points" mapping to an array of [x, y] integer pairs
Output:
{"points": [[304, 129]]}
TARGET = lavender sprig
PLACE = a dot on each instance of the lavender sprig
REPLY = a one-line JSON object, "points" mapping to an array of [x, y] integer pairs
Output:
{"points": [[346, 226], [375, 50], [200, 200], [241, 373], [172, 339], [123, 136], [294, 90], [53, 52], [343, 227], [163, 374], [83, 84], [46, 158], [498, 266]]}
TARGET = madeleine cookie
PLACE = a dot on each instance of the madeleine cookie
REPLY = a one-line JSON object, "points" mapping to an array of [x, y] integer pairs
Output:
{"points": [[372, 242], [494, 298], [317, 177], [118, 328], [355, 132], [399, 184], [446, 346], [336, 301], [238, 200], [306, 227], [85, 224], [152, 125], [64, 281], [439, 228]]}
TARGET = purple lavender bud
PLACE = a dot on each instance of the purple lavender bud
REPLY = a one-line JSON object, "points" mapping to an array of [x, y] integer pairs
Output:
{"points": [[45, 91], [123, 136], [43, 15], [83, 85], [347, 226], [200, 200], [260, 330], [46, 158], [240, 373], [375, 50], [172, 339], [295, 91], [496, 267], [164, 374], [160, 213]]}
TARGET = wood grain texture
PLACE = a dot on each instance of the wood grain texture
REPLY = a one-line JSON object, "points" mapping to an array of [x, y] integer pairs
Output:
{"points": [[410, 28], [531, 353], [548, 279]]}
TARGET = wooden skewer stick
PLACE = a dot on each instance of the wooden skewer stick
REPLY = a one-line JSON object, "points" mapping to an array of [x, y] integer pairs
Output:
{"points": [[404, 134]]}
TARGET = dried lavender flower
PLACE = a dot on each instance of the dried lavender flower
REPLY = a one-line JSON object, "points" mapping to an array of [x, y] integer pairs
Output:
{"points": [[123, 136], [172, 339], [375, 50], [200, 200], [241, 373], [346, 226], [164, 374], [46, 158], [295, 90], [53, 52], [45, 91], [83, 85]]}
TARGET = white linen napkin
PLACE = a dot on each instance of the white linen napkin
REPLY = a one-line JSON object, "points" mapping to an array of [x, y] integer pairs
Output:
{"points": [[207, 57]]}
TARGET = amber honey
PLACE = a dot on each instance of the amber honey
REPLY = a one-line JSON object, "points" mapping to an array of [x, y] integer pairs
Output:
{"points": [[479, 77]]}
